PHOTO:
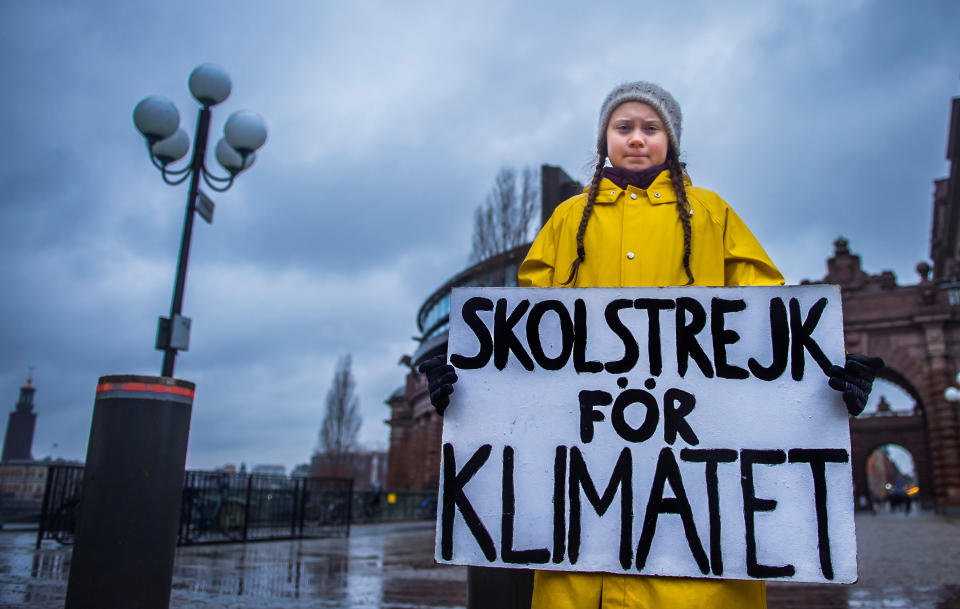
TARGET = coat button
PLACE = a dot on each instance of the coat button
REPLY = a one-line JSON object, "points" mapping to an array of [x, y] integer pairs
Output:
{"points": [[633, 195], [629, 255], [656, 194], [613, 192]]}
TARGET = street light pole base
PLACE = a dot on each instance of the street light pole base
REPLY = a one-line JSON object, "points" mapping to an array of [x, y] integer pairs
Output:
{"points": [[126, 532]]}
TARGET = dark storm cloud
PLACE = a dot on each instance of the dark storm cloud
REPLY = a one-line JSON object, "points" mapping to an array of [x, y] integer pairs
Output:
{"points": [[341, 218], [387, 124], [840, 119]]}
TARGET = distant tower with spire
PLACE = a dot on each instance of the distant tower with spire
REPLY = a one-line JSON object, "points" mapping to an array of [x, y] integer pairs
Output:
{"points": [[18, 441]]}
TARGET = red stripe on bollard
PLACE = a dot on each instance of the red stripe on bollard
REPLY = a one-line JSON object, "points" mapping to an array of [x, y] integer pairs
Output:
{"points": [[147, 387]]}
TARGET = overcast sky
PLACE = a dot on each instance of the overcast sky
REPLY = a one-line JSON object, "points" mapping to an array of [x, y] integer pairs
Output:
{"points": [[388, 122]]}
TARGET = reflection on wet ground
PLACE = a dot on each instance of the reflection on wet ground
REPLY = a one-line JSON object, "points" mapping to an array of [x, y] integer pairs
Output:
{"points": [[387, 565], [807, 596], [903, 563], [378, 566]]}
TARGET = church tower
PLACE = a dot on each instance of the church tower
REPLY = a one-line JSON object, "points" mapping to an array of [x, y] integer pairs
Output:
{"points": [[19, 439]]}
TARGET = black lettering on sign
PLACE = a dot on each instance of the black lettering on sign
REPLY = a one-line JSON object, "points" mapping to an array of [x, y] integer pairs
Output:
{"points": [[454, 498], [589, 415], [470, 317], [653, 307], [631, 351], [687, 345], [650, 419], [723, 337], [780, 341], [674, 417], [507, 517], [559, 504], [753, 504], [622, 478], [800, 335], [711, 457], [669, 471], [817, 458], [580, 363], [504, 340], [566, 334]]}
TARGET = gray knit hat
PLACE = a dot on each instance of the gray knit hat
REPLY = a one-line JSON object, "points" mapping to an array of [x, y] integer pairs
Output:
{"points": [[651, 94]]}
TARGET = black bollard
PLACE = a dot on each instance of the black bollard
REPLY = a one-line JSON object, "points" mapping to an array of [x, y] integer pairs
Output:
{"points": [[126, 532], [500, 588]]}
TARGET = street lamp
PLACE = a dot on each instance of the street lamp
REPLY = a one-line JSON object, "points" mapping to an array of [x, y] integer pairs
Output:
{"points": [[952, 394], [157, 119]]}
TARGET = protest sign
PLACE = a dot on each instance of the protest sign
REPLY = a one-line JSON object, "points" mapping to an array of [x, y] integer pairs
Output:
{"points": [[659, 431]]}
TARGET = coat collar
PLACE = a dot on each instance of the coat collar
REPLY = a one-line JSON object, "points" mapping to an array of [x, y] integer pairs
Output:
{"points": [[660, 191]]}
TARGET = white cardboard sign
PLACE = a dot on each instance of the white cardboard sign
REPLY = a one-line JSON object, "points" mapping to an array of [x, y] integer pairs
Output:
{"points": [[668, 431]]}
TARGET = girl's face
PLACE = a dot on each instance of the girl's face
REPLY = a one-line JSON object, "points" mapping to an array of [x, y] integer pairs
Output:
{"points": [[636, 137]]}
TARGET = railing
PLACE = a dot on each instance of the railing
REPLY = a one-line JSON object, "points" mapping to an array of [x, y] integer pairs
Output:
{"points": [[392, 505], [61, 498], [220, 507]]}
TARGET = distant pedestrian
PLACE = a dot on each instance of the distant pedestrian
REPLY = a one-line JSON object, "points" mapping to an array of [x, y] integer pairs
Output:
{"points": [[898, 499]]}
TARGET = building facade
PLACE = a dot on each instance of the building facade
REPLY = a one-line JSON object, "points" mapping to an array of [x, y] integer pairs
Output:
{"points": [[367, 468], [22, 483]]}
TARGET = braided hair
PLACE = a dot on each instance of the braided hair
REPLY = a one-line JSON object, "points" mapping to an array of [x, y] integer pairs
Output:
{"points": [[684, 209], [588, 208]]}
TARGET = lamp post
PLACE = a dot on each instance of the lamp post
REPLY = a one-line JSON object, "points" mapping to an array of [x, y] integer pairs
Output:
{"points": [[126, 532], [157, 120]]}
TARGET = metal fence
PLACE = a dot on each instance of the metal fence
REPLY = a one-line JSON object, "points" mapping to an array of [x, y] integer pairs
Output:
{"points": [[61, 498], [391, 505], [220, 507]]}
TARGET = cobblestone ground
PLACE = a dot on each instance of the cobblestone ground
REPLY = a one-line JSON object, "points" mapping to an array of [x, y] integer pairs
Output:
{"points": [[905, 562]]}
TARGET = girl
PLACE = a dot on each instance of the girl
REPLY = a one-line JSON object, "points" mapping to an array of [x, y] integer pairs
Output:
{"points": [[641, 222]]}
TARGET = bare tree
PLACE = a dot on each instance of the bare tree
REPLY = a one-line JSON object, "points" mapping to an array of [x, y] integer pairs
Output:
{"points": [[341, 420], [502, 222]]}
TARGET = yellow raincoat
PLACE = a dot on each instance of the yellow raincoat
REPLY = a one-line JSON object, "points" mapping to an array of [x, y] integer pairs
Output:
{"points": [[634, 238]]}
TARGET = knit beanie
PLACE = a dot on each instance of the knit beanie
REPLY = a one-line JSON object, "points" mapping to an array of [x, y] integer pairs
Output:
{"points": [[651, 94]]}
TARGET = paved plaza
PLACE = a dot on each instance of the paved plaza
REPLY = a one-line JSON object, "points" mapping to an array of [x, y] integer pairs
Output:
{"points": [[909, 562]]}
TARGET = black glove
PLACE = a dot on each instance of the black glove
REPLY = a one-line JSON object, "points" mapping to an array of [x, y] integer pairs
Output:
{"points": [[440, 379], [855, 380]]}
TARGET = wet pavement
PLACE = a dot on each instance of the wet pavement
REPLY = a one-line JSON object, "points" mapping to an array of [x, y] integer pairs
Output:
{"points": [[910, 562], [382, 565]]}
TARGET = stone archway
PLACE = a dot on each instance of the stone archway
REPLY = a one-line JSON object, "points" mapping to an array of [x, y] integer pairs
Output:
{"points": [[916, 330], [891, 477], [903, 424]]}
